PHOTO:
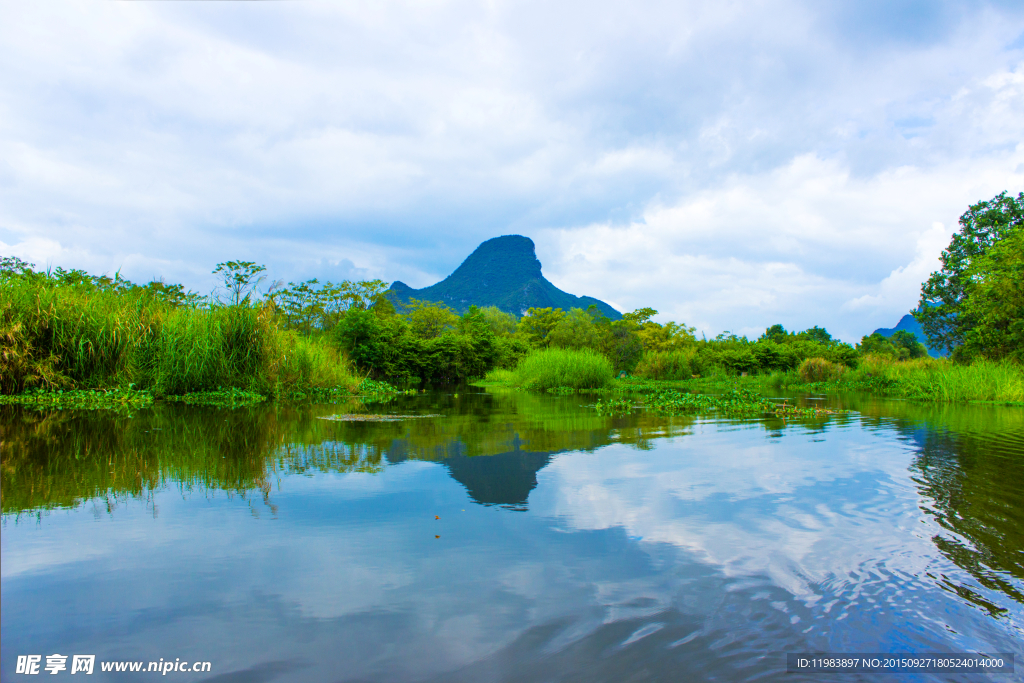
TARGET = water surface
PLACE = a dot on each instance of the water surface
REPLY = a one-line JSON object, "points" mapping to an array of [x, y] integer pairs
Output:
{"points": [[513, 537]]}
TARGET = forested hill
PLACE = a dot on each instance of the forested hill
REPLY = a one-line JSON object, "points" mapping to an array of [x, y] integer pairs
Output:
{"points": [[502, 272]]}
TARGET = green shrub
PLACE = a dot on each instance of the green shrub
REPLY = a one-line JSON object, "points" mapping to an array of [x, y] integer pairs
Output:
{"points": [[730, 356], [575, 368], [666, 364], [384, 345], [508, 351]]}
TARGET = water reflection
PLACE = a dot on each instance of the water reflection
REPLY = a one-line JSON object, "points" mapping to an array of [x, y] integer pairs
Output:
{"points": [[599, 548], [968, 468], [61, 459]]}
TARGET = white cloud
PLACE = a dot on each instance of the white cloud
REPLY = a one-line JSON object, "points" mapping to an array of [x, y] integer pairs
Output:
{"points": [[805, 244], [714, 509], [904, 283], [792, 155]]}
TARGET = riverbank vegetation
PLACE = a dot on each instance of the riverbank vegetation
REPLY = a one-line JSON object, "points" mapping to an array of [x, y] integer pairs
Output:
{"points": [[79, 339], [556, 368], [973, 307], [929, 379], [67, 330]]}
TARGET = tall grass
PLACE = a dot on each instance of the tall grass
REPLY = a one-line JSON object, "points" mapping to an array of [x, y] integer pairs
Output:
{"points": [[821, 370], [931, 379], [942, 380], [575, 368], [309, 362], [195, 350], [84, 337], [501, 376]]}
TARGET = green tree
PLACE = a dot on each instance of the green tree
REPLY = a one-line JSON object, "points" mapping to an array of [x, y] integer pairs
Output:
{"points": [[380, 342], [620, 340], [640, 315], [817, 334], [430, 319], [776, 333], [941, 310], [537, 324], [12, 265], [174, 294], [994, 301], [360, 295], [667, 337], [311, 305], [481, 352], [576, 330], [902, 339], [300, 305], [241, 278], [878, 344], [501, 323]]}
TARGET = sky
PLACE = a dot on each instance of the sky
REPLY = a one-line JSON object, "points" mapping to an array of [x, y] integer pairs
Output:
{"points": [[731, 164]]}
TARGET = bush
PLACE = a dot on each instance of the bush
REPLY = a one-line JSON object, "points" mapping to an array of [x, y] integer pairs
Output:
{"points": [[736, 361], [772, 356], [384, 345], [735, 356], [550, 368], [508, 351], [666, 364], [820, 370]]}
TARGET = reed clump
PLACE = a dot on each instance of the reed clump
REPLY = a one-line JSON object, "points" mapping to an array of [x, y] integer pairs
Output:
{"points": [[500, 376], [77, 335], [821, 370], [556, 367], [20, 364]]}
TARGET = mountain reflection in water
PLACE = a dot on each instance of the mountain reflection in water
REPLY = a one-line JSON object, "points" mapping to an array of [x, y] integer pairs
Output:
{"points": [[519, 537]]}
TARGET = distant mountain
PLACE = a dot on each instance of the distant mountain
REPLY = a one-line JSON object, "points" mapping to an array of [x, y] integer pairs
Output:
{"points": [[909, 323], [502, 272]]}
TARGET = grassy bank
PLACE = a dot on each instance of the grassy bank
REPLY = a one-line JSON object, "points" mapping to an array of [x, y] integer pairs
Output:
{"points": [[942, 380], [74, 337], [929, 379]]}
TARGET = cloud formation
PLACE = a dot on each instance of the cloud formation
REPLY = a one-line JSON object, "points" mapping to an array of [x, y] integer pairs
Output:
{"points": [[730, 164]]}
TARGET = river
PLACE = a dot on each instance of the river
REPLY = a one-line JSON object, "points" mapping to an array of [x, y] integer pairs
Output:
{"points": [[507, 536]]}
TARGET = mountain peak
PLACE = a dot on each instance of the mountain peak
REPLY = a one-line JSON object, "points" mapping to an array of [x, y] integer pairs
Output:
{"points": [[504, 272], [514, 252]]}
